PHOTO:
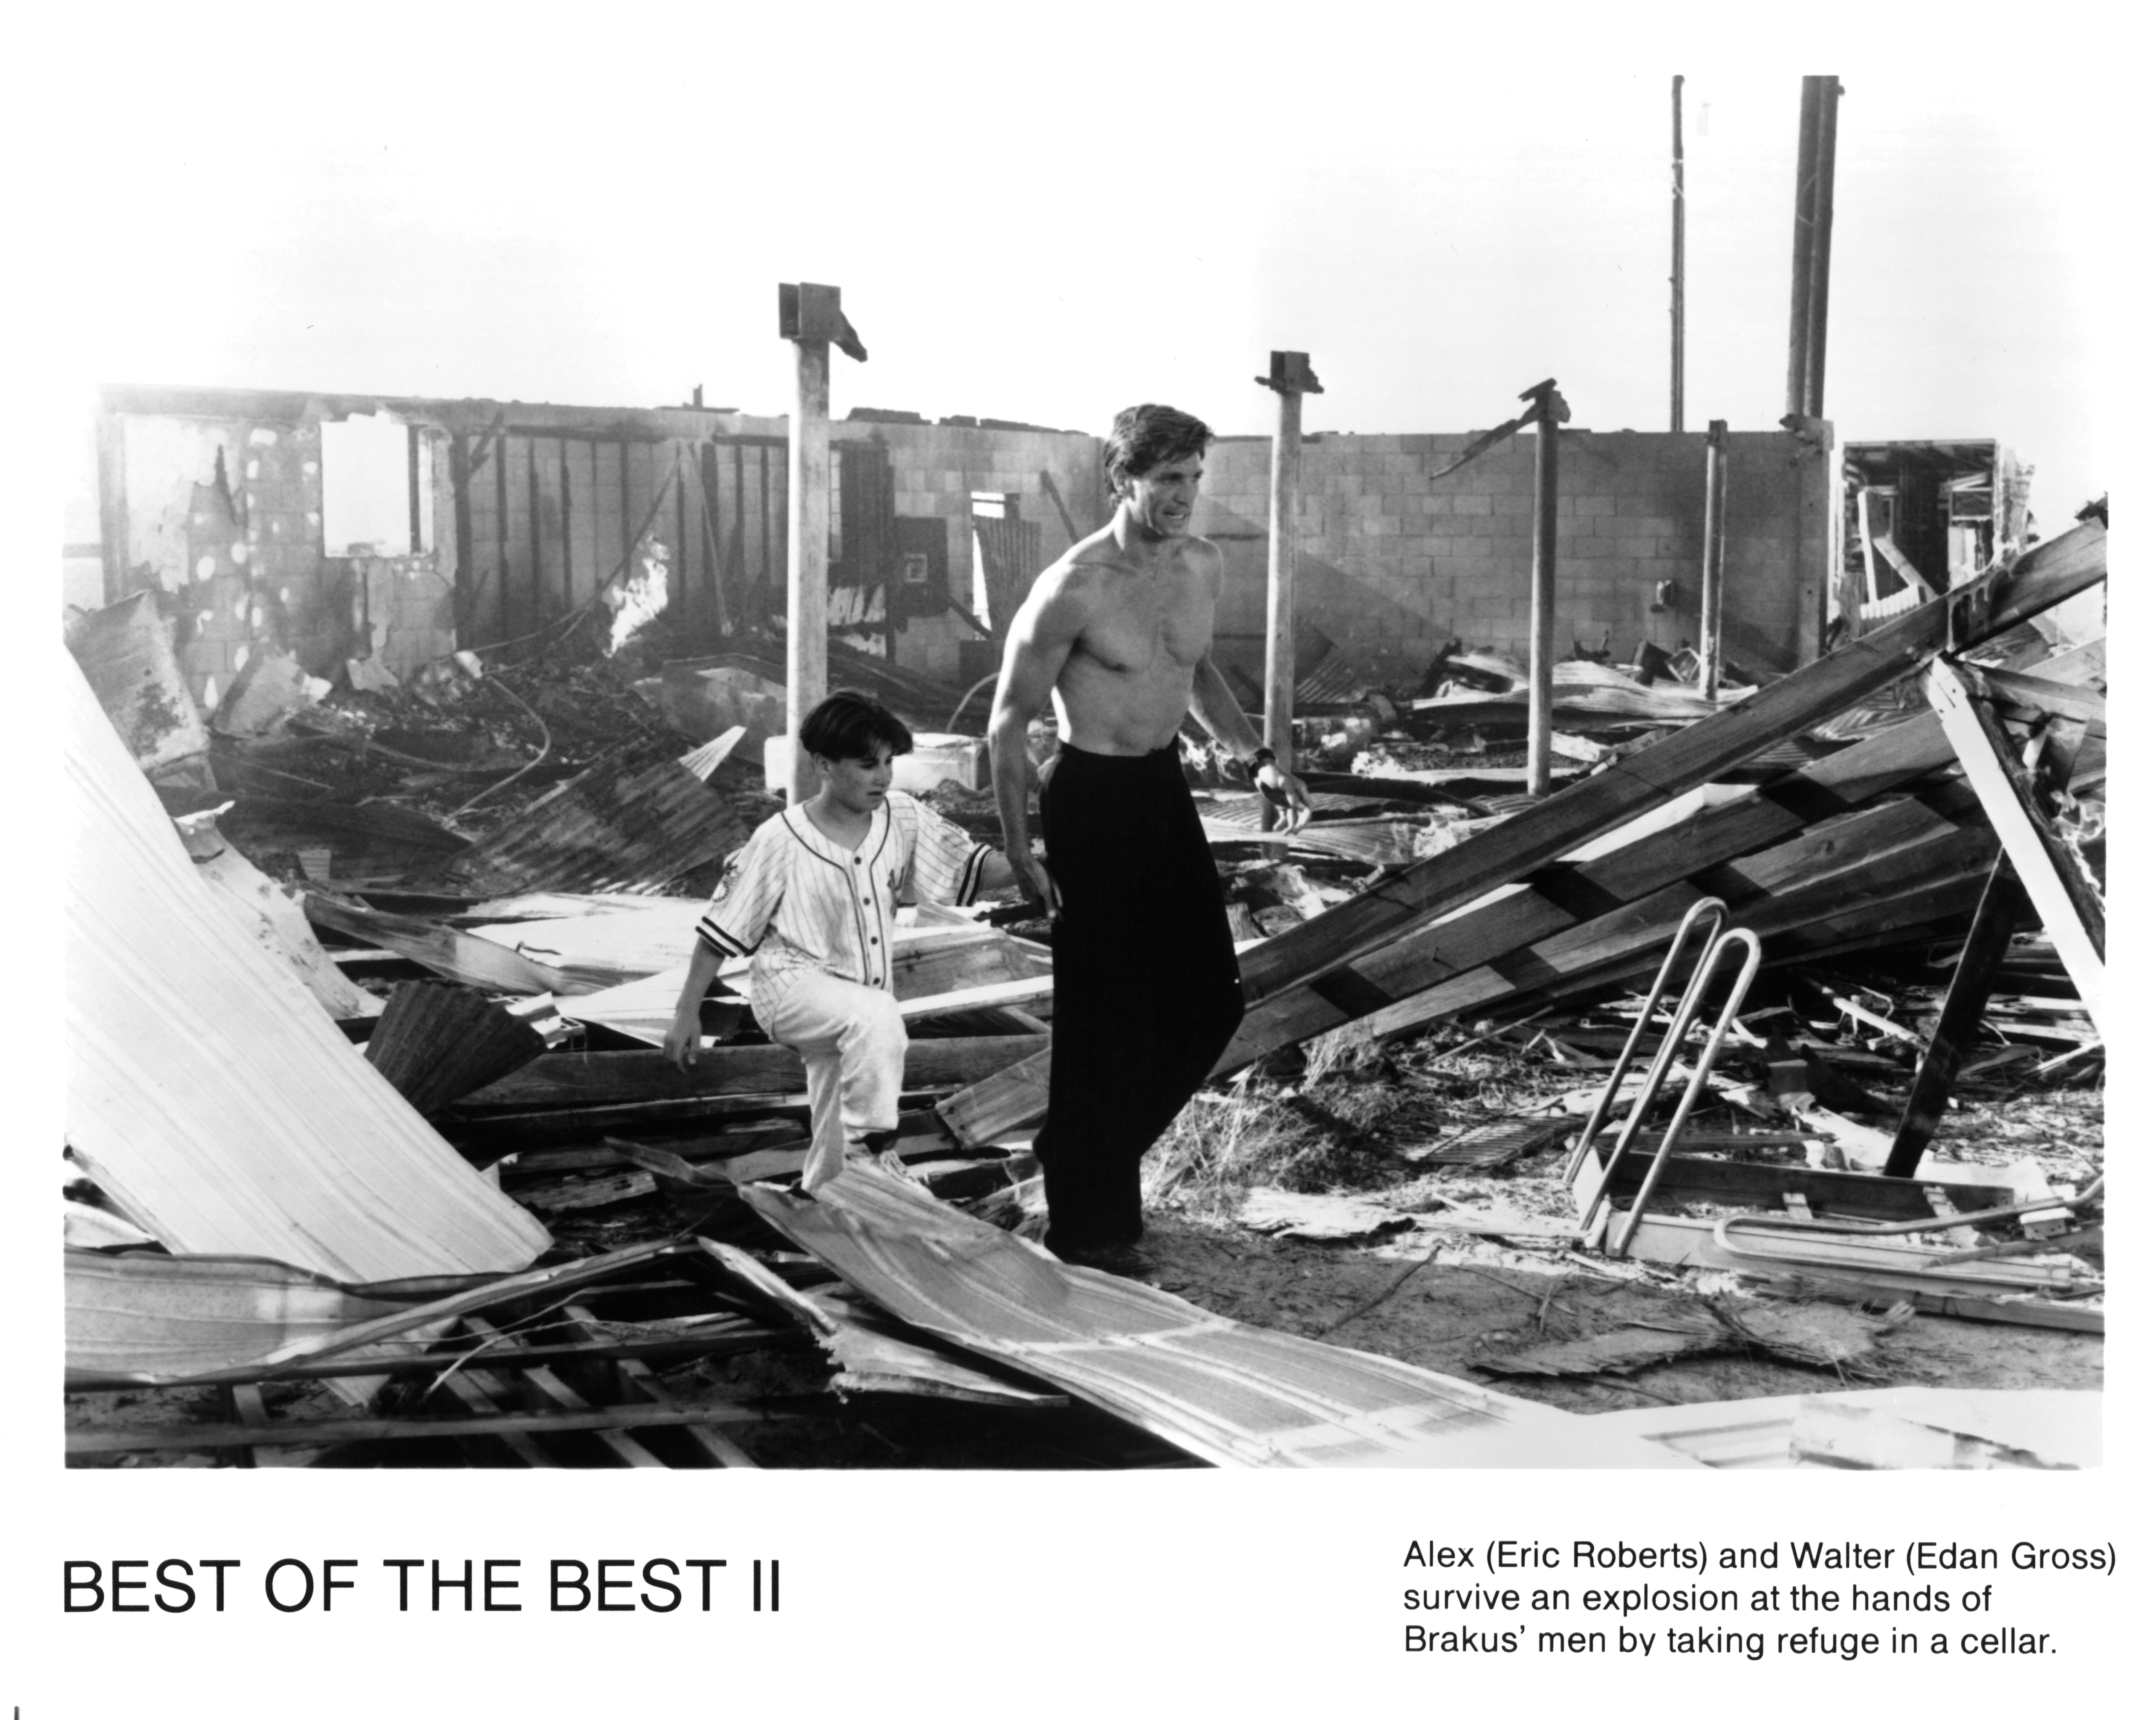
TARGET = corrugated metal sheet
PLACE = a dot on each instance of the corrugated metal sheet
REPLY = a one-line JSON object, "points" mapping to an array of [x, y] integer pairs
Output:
{"points": [[207, 1090], [1230, 1393], [606, 829]]}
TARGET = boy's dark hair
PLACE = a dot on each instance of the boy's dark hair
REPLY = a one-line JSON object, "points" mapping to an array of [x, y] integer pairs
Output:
{"points": [[1146, 436], [850, 725]]}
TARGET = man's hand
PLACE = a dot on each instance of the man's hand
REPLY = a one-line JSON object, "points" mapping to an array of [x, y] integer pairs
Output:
{"points": [[1033, 878], [1283, 790]]}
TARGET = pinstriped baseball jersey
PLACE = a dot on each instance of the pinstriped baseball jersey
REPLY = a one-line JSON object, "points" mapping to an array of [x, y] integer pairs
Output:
{"points": [[794, 898]]}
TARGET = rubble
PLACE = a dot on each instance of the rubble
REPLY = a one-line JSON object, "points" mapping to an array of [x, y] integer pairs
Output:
{"points": [[1442, 976]]}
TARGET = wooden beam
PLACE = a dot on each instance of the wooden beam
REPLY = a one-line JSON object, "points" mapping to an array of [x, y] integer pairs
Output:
{"points": [[1566, 892], [1960, 1014], [344, 1429], [617, 1077], [808, 548], [2071, 910], [1538, 834], [1290, 376], [1713, 558], [636, 1381]]}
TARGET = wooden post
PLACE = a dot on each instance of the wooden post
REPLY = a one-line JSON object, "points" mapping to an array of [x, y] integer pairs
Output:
{"points": [[112, 503], [1829, 102], [1800, 261], [809, 316], [1710, 579], [1677, 255], [1291, 378], [1550, 411], [2072, 911], [807, 549], [1989, 933]]}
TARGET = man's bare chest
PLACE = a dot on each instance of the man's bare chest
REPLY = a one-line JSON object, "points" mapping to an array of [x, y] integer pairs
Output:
{"points": [[1156, 626]]}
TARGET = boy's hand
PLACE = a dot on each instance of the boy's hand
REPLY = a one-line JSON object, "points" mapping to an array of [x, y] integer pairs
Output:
{"points": [[1033, 878], [683, 1042]]}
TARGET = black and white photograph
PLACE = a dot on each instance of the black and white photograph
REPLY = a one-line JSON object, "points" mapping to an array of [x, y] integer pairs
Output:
{"points": [[988, 766]]}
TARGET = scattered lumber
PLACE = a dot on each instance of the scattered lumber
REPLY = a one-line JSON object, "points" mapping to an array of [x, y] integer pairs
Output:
{"points": [[436, 1043]]}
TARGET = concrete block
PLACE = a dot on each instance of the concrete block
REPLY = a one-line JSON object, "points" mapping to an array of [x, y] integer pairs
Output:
{"points": [[1594, 506], [1472, 502]]}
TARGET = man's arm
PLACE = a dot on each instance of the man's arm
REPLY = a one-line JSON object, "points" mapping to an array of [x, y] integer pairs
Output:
{"points": [[1216, 707], [1043, 634]]}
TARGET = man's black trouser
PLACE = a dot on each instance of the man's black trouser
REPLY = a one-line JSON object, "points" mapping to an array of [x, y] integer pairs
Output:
{"points": [[1147, 993]]}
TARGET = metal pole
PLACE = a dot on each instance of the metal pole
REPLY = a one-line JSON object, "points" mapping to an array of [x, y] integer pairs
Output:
{"points": [[1542, 603], [1677, 255], [1800, 263], [1829, 102], [807, 548], [1279, 587], [1710, 579]]}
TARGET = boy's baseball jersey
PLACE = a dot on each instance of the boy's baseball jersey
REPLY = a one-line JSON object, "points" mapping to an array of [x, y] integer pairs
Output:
{"points": [[793, 898]]}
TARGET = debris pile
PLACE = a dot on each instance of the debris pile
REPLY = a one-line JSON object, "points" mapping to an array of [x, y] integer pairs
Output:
{"points": [[371, 1130]]}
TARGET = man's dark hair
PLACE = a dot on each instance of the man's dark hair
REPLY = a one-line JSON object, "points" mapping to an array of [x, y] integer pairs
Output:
{"points": [[1146, 436], [850, 725]]}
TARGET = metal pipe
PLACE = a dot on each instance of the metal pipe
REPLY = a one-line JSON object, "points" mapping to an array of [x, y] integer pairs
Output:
{"points": [[1710, 579], [1677, 255], [1749, 941], [1542, 602], [1705, 907], [1657, 1072]]}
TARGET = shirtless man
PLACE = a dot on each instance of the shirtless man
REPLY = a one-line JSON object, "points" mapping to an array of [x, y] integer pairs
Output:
{"points": [[1147, 993]]}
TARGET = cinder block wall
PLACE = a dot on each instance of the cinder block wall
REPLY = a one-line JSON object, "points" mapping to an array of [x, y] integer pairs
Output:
{"points": [[936, 469], [1394, 562]]}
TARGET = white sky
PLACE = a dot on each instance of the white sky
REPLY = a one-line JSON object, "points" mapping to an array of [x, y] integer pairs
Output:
{"points": [[597, 209]]}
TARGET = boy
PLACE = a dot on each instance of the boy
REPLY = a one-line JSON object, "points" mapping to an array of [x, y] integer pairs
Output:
{"points": [[813, 896]]}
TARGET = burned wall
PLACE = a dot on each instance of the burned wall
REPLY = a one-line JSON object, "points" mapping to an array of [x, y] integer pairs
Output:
{"points": [[214, 501]]}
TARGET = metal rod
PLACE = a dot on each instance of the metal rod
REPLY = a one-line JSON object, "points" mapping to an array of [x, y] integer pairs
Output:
{"points": [[1542, 603], [1705, 907], [1740, 938], [807, 548], [1710, 579], [1677, 255], [1279, 587]]}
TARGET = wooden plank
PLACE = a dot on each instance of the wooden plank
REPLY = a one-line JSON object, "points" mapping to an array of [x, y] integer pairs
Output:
{"points": [[637, 1380], [345, 1430], [2072, 911], [594, 1078], [994, 1109], [1540, 834], [541, 1386], [1636, 937], [1838, 1193], [455, 955], [1960, 1014], [483, 1396]]}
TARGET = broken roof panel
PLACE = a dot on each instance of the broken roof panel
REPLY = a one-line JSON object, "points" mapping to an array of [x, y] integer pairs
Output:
{"points": [[210, 1093], [613, 828], [1230, 1393]]}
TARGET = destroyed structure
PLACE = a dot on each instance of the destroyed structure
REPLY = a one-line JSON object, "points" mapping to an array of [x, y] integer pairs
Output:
{"points": [[1706, 882]]}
